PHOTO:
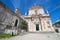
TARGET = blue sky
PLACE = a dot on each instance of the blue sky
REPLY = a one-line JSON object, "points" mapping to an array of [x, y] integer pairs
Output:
{"points": [[53, 6]]}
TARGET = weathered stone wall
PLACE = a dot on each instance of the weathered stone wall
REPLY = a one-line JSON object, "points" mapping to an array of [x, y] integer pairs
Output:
{"points": [[8, 18], [5, 17]]}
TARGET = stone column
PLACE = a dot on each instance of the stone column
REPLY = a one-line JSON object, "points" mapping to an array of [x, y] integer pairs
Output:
{"points": [[51, 26], [45, 26], [42, 25]]}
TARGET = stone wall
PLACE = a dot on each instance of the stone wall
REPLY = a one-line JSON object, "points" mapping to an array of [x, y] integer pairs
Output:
{"points": [[9, 31], [8, 18]]}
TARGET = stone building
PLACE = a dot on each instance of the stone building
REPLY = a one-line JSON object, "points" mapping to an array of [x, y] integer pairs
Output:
{"points": [[57, 26], [9, 20], [38, 20]]}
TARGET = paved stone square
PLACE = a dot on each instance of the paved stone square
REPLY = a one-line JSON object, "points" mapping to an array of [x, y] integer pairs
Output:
{"points": [[37, 36]]}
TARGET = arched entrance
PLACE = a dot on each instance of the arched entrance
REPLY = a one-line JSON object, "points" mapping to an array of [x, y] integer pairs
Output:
{"points": [[16, 22], [37, 27]]}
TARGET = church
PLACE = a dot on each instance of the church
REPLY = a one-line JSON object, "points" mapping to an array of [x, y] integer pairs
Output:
{"points": [[38, 20]]}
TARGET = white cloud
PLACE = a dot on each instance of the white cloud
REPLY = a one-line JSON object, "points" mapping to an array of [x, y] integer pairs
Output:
{"points": [[55, 8]]}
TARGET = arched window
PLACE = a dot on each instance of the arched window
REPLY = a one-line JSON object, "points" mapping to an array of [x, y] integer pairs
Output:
{"points": [[16, 22]]}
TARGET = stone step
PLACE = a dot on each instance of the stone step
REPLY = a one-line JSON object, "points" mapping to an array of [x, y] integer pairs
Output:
{"points": [[42, 32]]}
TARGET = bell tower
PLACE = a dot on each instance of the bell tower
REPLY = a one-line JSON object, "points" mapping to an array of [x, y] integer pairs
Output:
{"points": [[17, 11]]}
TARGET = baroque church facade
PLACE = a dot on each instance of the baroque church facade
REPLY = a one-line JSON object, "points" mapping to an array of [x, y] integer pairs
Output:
{"points": [[38, 20]]}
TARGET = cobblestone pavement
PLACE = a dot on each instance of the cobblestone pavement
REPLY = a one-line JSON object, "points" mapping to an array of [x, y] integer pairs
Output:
{"points": [[37, 36]]}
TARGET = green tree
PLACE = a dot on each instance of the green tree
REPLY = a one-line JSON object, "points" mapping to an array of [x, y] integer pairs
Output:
{"points": [[57, 23], [24, 25]]}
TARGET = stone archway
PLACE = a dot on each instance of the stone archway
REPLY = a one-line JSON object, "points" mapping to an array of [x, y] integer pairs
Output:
{"points": [[16, 22]]}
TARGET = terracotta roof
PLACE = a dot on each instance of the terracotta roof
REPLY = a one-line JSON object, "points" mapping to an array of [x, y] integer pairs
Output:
{"points": [[57, 25]]}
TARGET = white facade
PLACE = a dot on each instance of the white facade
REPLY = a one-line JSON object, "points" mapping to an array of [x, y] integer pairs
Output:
{"points": [[38, 21]]}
